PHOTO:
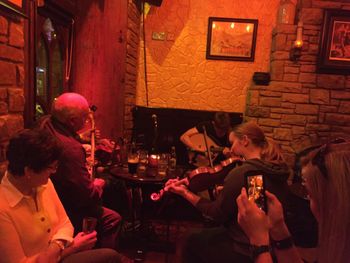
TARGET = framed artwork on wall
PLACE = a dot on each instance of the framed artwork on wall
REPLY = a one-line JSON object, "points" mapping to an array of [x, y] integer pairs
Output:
{"points": [[15, 7], [334, 54], [231, 38]]}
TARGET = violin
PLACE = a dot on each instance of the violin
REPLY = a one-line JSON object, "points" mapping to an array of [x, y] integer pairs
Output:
{"points": [[203, 178]]}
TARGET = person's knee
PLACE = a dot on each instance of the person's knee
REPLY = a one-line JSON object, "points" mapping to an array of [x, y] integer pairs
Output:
{"points": [[110, 255]]}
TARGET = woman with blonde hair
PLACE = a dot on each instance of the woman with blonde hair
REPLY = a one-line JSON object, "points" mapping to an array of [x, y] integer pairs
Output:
{"points": [[326, 173], [261, 157]]}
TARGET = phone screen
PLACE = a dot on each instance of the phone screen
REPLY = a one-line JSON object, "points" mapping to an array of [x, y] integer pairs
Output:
{"points": [[256, 190]]}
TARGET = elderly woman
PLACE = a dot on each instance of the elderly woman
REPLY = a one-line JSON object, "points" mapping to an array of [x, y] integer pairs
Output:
{"points": [[34, 226], [326, 172]]}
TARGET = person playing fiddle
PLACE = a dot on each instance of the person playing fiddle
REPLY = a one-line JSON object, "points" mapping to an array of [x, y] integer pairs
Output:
{"points": [[228, 243], [218, 130]]}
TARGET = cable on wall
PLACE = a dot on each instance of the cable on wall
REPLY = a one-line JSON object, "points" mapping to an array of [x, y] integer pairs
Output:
{"points": [[144, 50]]}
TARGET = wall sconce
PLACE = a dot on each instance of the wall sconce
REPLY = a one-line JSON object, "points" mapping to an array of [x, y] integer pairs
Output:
{"points": [[295, 52]]}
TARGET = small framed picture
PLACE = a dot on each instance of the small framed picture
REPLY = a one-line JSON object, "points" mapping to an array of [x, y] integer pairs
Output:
{"points": [[231, 38], [334, 55]]}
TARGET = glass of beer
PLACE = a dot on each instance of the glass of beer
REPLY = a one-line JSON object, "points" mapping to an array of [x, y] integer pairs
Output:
{"points": [[133, 160]]}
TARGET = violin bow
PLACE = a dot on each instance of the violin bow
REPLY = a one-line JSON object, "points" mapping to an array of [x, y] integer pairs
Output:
{"points": [[206, 146]]}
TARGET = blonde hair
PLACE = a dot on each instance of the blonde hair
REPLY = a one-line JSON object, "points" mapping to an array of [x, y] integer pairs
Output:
{"points": [[270, 151], [330, 190]]}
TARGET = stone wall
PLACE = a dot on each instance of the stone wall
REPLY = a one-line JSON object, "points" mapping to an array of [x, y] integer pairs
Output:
{"points": [[132, 46], [11, 81], [300, 107]]}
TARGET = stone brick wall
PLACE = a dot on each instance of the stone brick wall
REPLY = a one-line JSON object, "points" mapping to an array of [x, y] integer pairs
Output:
{"points": [[11, 81], [300, 107], [132, 47]]}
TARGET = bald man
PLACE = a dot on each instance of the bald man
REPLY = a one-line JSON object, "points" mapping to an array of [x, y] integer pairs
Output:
{"points": [[81, 196]]}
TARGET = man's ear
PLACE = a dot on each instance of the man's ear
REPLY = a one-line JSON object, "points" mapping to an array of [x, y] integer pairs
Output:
{"points": [[245, 140]]}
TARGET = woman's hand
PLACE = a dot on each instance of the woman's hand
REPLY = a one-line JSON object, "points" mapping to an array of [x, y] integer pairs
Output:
{"points": [[278, 228], [84, 241], [254, 221], [175, 182], [177, 186]]}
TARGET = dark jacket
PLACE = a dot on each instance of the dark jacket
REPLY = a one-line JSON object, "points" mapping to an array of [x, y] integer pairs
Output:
{"points": [[224, 209], [72, 182]]}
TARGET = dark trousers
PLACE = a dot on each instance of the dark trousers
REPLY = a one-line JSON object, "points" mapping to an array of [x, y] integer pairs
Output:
{"points": [[107, 228], [212, 245], [94, 256]]}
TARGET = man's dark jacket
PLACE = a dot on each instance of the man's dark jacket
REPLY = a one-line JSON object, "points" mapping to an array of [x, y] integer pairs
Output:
{"points": [[72, 182]]}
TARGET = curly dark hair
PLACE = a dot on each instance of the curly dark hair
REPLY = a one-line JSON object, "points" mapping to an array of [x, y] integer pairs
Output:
{"points": [[35, 149]]}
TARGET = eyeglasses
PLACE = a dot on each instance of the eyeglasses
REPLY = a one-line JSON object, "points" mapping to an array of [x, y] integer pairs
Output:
{"points": [[319, 158]]}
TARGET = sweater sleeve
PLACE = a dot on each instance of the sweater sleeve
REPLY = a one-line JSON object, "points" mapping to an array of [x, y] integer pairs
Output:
{"points": [[72, 181], [224, 208], [64, 229]]}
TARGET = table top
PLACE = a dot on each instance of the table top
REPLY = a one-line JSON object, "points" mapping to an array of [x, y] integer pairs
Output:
{"points": [[149, 176]]}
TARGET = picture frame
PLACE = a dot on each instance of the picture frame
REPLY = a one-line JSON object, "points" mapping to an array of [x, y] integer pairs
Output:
{"points": [[231, 38], [15, 7], [334, 51]]}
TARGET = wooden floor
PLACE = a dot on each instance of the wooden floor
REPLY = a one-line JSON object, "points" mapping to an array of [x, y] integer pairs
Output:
{"points": [[154, 245]]}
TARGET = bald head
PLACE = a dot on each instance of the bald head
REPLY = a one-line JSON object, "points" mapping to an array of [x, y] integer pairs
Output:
{"points": [[71, 109]]}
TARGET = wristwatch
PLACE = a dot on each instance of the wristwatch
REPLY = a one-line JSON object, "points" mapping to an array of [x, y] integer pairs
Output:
{"points": [[283, 244], [62, 244], [255, 251]]}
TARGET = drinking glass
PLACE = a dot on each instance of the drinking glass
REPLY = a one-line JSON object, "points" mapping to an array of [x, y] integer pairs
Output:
{"points": [[143, 160], [89, 224], [133, 160], [163, 164]]}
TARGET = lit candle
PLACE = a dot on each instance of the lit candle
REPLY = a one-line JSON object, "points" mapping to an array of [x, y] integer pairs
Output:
{"points": [[299, 41], [153, 160]]}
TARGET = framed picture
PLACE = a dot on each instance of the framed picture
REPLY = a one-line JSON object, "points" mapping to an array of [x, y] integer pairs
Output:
{"points": [[231, 38], [15, 7], [334, 55]]}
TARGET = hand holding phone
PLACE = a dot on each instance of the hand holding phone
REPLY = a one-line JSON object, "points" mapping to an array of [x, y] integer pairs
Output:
{"points": [[255, 186]]}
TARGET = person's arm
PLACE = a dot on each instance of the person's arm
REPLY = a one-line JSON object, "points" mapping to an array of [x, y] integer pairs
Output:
{"points": [[180, 187], [186, 139], [256, 224], [81, 242], [73, 169], [283, 246], [64, 227]]}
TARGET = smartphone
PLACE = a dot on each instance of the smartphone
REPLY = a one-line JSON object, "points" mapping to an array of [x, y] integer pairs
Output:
{"points": [[255, 186]]}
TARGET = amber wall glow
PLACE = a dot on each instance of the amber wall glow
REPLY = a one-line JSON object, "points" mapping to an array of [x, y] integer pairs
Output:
{"points": [[178, 73]]}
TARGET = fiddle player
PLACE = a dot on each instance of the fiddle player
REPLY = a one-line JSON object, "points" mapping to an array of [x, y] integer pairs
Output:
{"points": [[80, 195], [218, 130], [228, 243]]}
